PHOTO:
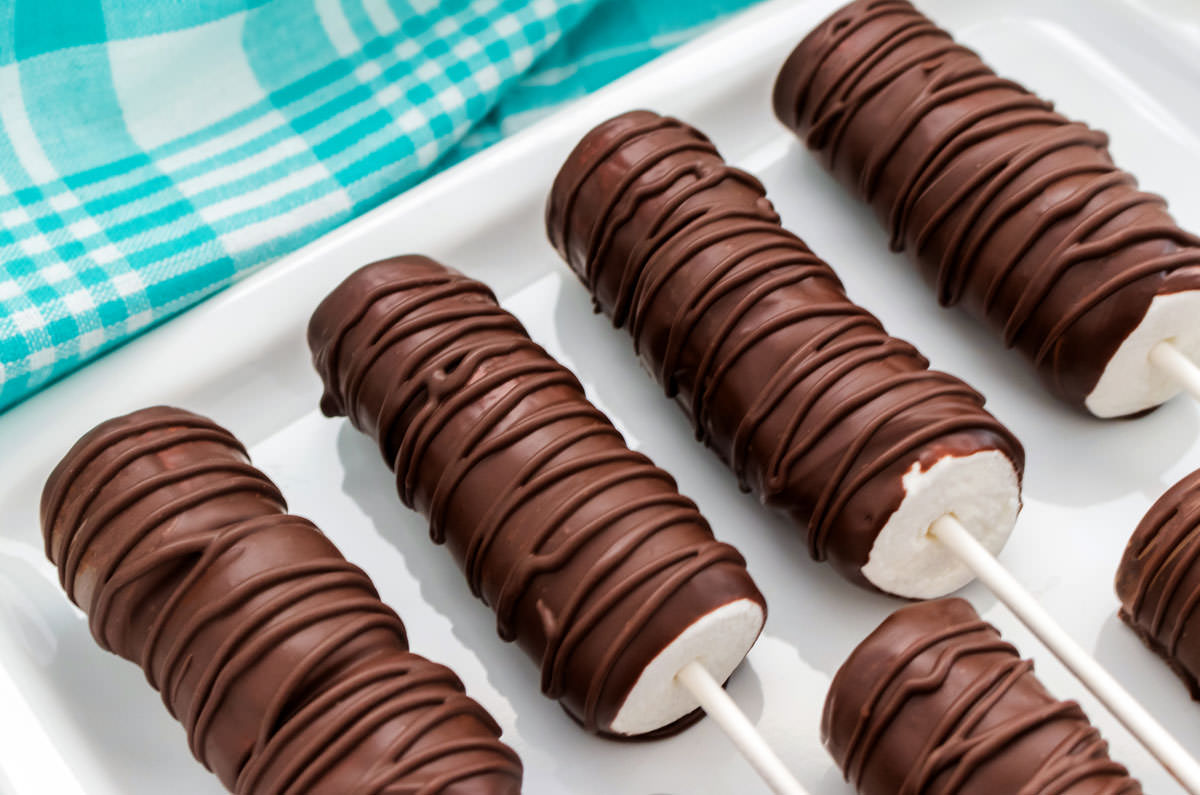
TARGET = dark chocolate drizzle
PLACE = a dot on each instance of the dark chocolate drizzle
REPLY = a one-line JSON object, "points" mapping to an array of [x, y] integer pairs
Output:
{"points": [[591, 559], [934, 701], [1007, 206], [287, 671], [814, 407], [1158, 580]]}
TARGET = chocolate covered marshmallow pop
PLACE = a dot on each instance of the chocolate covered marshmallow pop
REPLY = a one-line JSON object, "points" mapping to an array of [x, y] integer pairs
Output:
{"points": [[900, 477], [815, 408], [1158, 580], [935, 702], [593, 562], [1009, 208], [271, 649]]}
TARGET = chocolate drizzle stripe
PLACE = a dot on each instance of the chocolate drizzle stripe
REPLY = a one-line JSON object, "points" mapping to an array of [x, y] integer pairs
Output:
{"points": [[386, 339], [168, 557], [242, 647], [433, 418], [688, 319], [258, 634], [934, 701], [379, 784], [674, 572], [69, 469], [686, 221], [873, 171], [978, 751], [1100, 292], [503, 511], [833, 502], [613, 146], [687, 254], [580, 545], [356, 626], [1000, 280], [867, 735], [544, 562], [440, 502], [1008, 207], [619, 212], [355, 696], [1158, 580], [331, 355], [427, 711], [236, 477], [1174, 584], [231, 483], [843, 29], [72, 514], [807, 361], [779, 267], [941, 754]]}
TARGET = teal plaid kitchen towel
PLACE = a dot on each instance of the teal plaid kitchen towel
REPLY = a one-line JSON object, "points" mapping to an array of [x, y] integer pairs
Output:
{"points": [[154, 151]]}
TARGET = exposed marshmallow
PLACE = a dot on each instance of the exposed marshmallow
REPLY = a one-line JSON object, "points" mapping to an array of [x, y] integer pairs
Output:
{"points": [[982, 490], [1131, 382], [719, 640]]}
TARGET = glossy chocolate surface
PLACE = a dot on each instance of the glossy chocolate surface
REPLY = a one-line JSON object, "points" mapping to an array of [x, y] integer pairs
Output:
{"points": [[590, 557], [274, 652], [934, 702], [1158, 580], [1009, 208], [815, 408]]}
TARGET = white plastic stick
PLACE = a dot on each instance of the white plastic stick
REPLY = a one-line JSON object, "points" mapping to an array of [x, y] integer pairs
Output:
{"points": [[1172, 361], [1140, 723], [720, 707]]}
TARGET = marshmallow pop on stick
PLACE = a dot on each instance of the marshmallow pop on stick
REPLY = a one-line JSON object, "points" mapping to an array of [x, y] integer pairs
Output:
{"points": [[935, 702], [904, 482], [271, 649], [1158, 580], [591, 559], [1009, 208], [815, 408]]}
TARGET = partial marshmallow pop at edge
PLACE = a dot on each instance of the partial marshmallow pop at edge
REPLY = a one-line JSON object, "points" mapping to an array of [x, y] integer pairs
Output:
{"points": [[683, 250], [1158, 580], [935, 701]]}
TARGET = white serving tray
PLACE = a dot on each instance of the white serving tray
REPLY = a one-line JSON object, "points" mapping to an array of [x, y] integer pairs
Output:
{"points": [[74, 719]]}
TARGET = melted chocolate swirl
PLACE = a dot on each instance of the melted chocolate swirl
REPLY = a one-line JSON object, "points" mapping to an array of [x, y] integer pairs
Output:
{"points": [[810, 402], [1008, 207], [1158, 580], [287, 671], [935, 702], [591, 559]]}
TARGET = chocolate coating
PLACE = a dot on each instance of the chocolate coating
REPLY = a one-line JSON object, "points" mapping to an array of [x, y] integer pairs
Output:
{"points": [[287, 671], [590, 557], [800, 391], [1008, 207], [1158, 580], [933, 701]]}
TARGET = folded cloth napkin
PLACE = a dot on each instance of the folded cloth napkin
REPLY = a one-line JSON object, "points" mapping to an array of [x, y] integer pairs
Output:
{"points": [[151, 153]]}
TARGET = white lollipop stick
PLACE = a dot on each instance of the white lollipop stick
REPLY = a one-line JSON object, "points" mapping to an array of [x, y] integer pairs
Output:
{"points": [[1172, 361], [1140, 723], [720, 707]]}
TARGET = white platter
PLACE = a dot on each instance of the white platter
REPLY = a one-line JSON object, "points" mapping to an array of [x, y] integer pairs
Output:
{"points": [[74, 719]]}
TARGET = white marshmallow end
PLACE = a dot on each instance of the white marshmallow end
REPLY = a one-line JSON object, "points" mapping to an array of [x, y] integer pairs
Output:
{"points": [[982, 490], [719, 640], [1131, 382]]}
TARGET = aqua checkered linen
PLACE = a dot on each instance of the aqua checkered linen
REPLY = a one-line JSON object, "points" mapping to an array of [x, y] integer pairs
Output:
{"points": [[153, 151]]}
